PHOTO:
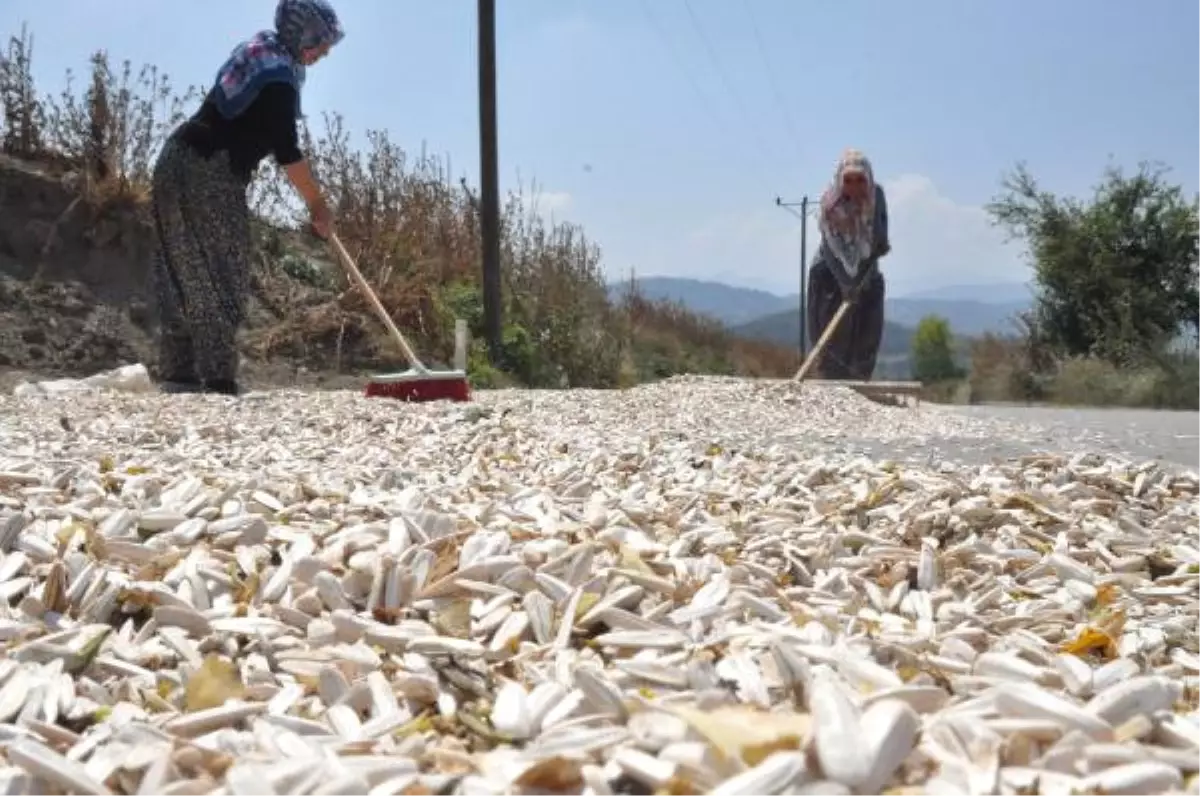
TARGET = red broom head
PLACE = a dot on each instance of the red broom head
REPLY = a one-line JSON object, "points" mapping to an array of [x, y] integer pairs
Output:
{"points": [[421, 390]]}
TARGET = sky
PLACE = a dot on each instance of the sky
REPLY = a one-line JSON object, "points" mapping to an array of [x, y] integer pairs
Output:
{"points": [[667, 128]]}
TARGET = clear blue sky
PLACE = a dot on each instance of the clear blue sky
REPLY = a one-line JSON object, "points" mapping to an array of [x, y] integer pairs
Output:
{"points": [[668, 141]]}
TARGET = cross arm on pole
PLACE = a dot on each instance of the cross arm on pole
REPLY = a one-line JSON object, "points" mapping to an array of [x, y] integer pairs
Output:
{"points": [[803, 216]]}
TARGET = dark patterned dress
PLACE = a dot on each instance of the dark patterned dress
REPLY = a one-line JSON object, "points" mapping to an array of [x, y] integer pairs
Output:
{"points": [[201, 270]]}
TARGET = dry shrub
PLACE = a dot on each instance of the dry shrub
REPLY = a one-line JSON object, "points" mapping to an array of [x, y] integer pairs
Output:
{"points": [[113, 130], [413, 231], [108, 134], [23, 115], [667, 339]]}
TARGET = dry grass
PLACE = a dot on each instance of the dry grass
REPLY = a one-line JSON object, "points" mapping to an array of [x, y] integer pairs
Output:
{"points": [[413, 230], [1016, 370]]}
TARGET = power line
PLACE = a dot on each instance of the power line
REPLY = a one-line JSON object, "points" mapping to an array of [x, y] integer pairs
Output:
{"points": [[716, 61], [709, 106], [793, 128]]}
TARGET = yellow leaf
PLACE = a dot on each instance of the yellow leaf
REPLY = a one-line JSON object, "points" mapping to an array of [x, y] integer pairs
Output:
{"points": [[216, 681], [587, 601], [106, 464], [1091, 640], [631, 560], [136, 470], [1107, 594], [66, 533], [421, 724], [245, 590], [747, 734]]}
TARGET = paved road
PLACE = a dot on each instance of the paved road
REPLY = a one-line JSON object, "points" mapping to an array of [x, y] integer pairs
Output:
{"points": [[1142, 433], [1138, 434]]}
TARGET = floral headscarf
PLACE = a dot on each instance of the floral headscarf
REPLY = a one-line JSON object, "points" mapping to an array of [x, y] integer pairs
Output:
{"points": [[848, 224], [274, 55]]}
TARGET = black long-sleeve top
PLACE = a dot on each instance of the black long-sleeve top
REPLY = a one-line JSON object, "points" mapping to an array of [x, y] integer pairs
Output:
{"points": [[266, 127]]}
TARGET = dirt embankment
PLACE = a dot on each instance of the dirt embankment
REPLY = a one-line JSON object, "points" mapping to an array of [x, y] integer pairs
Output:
{"points": [[75, 293]]}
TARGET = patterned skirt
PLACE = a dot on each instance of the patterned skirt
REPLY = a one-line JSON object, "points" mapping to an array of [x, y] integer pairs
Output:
{"points": [[852, 350], [201, 269]]}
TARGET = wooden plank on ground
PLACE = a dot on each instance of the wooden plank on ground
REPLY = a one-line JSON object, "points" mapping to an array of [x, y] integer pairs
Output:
{"points": [[895, 387]]}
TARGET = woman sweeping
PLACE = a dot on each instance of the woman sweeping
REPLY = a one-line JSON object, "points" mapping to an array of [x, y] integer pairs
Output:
{"points": [[201, 215], [854, 235]]}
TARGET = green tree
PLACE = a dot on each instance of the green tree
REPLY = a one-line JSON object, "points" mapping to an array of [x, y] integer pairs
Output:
{"points": [[933, 351], [1115, 277]]}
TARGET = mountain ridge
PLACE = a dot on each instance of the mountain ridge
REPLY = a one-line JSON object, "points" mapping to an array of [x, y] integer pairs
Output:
{"points": [[971, 310]]}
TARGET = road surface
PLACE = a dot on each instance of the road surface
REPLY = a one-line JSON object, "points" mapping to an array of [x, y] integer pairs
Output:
{"points": [[1139, 434]]}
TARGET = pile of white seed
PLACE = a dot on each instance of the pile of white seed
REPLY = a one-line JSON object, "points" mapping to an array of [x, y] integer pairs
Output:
{"points": [[691, 587]]}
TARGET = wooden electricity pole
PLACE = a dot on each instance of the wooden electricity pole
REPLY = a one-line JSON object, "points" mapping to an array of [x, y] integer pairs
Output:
{"points": [[489, 182], [803, 216]]}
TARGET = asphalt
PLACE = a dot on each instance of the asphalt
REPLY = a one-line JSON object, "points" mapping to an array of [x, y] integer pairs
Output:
{"points": [[1168, 437]]}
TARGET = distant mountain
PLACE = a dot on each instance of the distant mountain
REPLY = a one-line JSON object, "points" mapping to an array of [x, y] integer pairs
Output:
{"points": [[971, 310], [995, 293], [968, 318], [783, 328], [728, 304]]}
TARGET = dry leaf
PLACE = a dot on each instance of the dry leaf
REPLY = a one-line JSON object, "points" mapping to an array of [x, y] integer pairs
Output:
{"points": [[159, 566], [445, 563], [245, 589], [1112, 623], [1022, 500], [54, 592], [216, 681], [677, 786], [94, 544], [746, 734], [454, 619], [552, 775]]}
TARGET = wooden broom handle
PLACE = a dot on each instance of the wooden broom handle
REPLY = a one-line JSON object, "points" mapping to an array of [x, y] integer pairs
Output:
{"points": [[373, 300], [830, 328]]}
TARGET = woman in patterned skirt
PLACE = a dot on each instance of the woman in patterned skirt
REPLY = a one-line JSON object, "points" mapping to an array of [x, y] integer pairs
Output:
{"points": [[201, 215], [854, 236]]}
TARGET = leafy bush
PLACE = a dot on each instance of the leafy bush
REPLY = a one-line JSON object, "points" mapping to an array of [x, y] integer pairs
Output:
{"points": [[933, 351]]}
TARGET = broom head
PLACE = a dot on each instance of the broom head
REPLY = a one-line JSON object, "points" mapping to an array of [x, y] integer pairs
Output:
{"points": [[419, 387]]}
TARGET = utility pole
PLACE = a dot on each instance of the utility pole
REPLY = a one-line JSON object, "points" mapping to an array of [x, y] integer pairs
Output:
{"points": [[803, 216], [489, 182]]}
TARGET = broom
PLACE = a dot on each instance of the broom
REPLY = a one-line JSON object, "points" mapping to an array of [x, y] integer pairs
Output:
{"points": [[830, 329], [417, 384]]}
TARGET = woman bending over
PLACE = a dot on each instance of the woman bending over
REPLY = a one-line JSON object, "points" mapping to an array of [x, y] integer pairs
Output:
{"points": [[854, 236], [201, 270]]}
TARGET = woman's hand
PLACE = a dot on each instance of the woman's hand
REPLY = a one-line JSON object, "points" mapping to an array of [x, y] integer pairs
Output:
{"points": [[320, 216]]}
